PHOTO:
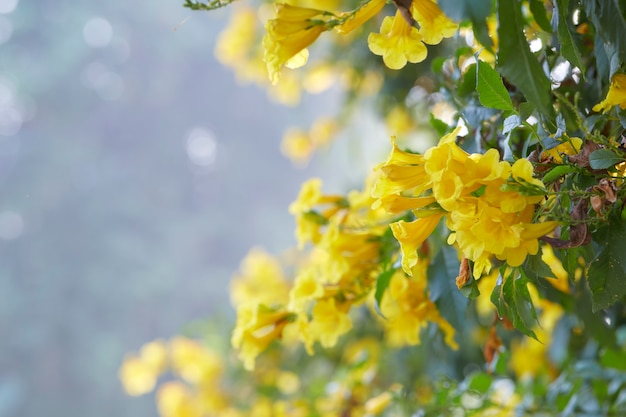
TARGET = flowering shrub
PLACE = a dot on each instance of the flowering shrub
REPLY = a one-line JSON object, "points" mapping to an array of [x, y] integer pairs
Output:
{"points": [[483, 276]]}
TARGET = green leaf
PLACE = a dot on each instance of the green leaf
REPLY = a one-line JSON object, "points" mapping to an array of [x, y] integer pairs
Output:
{"points": [[315, 217], [481, 383], [475, 11], [381, 286], [491, 90], [569, 49], [512, 300], [440, 126], [614, 359], [557, 172], [535, 268], [510, 123], [467, 83], [538, 10], [526, 109], [593, 323], [517, 63], [443, 291], [608, 19], [603, 159], [608, 269]]}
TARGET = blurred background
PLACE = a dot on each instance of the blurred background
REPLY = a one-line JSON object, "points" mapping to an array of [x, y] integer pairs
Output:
{"points": [[134, 176]]}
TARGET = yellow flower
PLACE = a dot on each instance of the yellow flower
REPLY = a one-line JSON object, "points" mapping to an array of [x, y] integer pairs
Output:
{"points": [[434, 24], [396, 203], [299, 145], [397, 42], [447, 189], [376, 405], [137, 376], [571, 147], [616, 95], [328, 322], [257, 326], [193, 362], [411, 236], [447, 155], [287, 382], [407, 309], [238, 39], [484, 169], [523, 169], [308, 221], [174, 399], [399, 121], [560, 281], [260, 279], [354, 19], [155, 354], [139, 373], [306, 288], [293, 29], [528, 356], [323, 130]]}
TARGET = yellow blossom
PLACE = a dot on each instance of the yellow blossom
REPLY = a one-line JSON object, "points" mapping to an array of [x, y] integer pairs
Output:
{"points": [[139, 373], [308, 221], [329, 322], [293, 29], [288, 382], [137, 376], [528, 356], [174, 399], [486, 218], [306, 288], [560, 281], [356, 18], [257, 326], [571, 147], [319, 78], [376, 405], [323, 130], [412, 235], [397, 42], [407, 309], [260, 279], [193, 362], [434, 24], [616, 95], [399, 121], [237, 40]]}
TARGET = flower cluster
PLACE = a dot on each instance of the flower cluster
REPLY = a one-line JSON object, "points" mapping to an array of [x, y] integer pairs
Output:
{"points": [[338, 273], [198, 369], [488, 204], [400, 42]]}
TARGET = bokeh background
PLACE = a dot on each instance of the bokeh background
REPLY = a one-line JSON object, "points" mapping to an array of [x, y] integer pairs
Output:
{"points": [[134, 176]]}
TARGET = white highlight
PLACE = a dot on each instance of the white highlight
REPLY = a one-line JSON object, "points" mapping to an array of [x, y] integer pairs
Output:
{"points": [[97, 32]]}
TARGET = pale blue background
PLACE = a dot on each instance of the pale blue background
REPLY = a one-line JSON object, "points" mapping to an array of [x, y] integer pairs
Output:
{"points": [[116, 225]]}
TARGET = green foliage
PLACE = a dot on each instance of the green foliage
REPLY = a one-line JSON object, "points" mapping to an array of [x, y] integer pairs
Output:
{"points": [[475, 11], [604, 158], [569, 48], [491, 90], [608, 269], [443, 291], [513, 302], [382, 282], [211, 5], [608, 18], [516, 62]]}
